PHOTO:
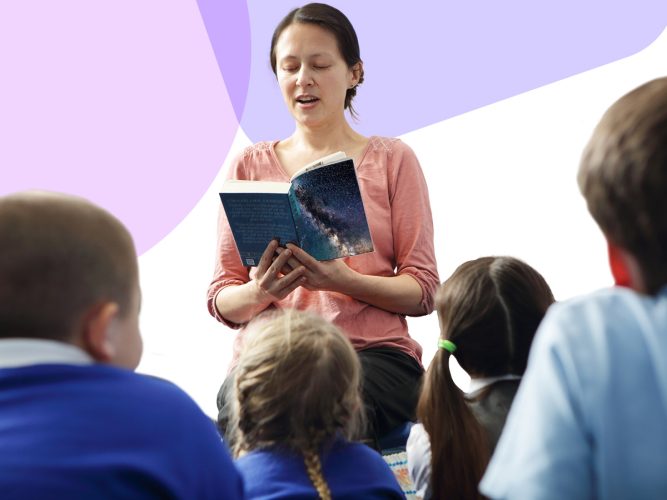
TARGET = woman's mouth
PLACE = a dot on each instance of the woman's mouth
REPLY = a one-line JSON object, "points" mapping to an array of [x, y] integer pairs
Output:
{"points": [[306, 100]]}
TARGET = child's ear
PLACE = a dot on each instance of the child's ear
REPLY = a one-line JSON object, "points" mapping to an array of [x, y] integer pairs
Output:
{"points": [[618, 266], [96, 331]]}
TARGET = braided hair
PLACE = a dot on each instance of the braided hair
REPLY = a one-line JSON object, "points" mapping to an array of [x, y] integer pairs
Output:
{"points": [[297, 386]]}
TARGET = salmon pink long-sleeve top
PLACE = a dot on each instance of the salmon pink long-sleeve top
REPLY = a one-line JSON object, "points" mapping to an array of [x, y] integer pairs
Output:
{"points": [[398, 211]]}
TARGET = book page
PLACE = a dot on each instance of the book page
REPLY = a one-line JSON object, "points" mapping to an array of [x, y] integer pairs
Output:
{"points": [[243, 186], [326, 160]]}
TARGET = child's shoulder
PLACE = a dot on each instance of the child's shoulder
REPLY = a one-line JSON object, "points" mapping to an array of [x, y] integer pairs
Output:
{"points": [[611, 320], [610, 302], [352, 452]]}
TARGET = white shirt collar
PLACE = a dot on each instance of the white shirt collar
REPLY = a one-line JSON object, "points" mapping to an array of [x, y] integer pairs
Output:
{"points": [[477, 384], [19, 352]]}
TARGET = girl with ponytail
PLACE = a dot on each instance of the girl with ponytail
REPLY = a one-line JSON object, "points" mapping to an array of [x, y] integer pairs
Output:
{"points": [[297, 409], [489, 310]]}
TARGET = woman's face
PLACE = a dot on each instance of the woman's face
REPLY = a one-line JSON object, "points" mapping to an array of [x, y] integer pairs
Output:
{"points": [[312, 74]]}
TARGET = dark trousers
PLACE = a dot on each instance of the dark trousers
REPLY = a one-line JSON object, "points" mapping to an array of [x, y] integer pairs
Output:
{"points": [[390, 386], [391, 381]]}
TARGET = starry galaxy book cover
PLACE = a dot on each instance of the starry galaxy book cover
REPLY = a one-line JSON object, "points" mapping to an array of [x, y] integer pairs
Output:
{"points": [[320, 209]]}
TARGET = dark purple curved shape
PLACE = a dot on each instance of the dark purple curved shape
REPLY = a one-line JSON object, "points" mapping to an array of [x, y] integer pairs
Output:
{"points": [[228, 29]]}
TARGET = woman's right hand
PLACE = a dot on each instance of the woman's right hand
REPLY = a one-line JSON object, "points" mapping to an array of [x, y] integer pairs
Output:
{"points": [[274, 279]]}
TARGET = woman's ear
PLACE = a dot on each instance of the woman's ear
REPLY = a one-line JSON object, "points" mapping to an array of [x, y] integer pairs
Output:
{"points": [[357, 72], [96, 331], [619, 266]]}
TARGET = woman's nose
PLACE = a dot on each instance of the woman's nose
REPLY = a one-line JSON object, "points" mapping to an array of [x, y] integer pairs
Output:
{"points": [[304, 77]]}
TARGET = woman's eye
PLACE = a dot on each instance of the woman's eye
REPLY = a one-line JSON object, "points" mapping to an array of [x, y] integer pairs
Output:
{"points": [[290, 69], [321, 66]]}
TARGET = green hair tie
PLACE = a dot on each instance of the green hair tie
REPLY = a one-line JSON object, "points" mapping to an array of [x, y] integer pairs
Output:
{"points": [[447, 345]]}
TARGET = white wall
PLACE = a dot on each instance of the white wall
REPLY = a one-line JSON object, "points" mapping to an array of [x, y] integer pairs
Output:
{"points": [[501, 180]]}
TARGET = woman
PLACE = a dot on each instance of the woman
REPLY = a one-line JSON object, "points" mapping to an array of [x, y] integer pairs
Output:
{"points": [[315, 57], [489, 310]]}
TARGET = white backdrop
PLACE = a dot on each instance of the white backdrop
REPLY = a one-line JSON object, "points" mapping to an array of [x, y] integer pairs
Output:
{"points": [[502, 181]]}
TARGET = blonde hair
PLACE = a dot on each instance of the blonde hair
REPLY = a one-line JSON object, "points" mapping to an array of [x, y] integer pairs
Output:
{"points": [[297, 384]]}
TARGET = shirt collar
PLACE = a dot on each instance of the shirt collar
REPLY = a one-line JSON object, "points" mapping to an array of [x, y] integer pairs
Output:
{"points": [[477, 384], [19, 352]]}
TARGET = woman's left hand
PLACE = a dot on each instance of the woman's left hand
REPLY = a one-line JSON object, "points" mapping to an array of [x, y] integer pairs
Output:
{"points": [[330, 275], [400, 294]]}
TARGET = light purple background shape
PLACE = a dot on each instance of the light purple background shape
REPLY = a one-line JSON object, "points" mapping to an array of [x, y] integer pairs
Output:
{"points": [[124, 102], [428, 60], [120, 102]]}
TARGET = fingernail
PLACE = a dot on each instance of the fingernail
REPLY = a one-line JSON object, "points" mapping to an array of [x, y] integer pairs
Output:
{"points": [[288, 252]]}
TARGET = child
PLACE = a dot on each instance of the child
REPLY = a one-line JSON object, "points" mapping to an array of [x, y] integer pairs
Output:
{"points": [[590, 419], [75, 421], [489, 310], [297, 406]]}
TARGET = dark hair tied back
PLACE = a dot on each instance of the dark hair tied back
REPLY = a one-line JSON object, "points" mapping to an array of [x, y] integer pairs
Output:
{"points": [[489, 309], [335, 22]]}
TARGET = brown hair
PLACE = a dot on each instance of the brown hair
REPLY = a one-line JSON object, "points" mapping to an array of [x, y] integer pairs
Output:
{"points": [[297, 385], [60, 255], [334, 21], [623, 177], [490, 308]]}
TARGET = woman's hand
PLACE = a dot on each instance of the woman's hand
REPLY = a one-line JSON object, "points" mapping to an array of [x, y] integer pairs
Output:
{"points": [[271, 280], [240, 303], [401, 294], [330, 275]]}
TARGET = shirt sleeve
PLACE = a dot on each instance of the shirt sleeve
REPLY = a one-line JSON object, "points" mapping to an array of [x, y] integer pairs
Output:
{"points": [[187, 451], [412, 223], [418, 450], [229, 270], [217, 474], [545, 450]]}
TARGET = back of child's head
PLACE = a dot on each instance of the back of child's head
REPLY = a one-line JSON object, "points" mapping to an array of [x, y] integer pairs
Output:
{"points": [[489, 310], [297, 386], [59, 256], [623, 176]]}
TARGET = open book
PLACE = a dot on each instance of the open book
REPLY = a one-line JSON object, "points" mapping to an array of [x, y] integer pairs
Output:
{"points": [[320, 210]]}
